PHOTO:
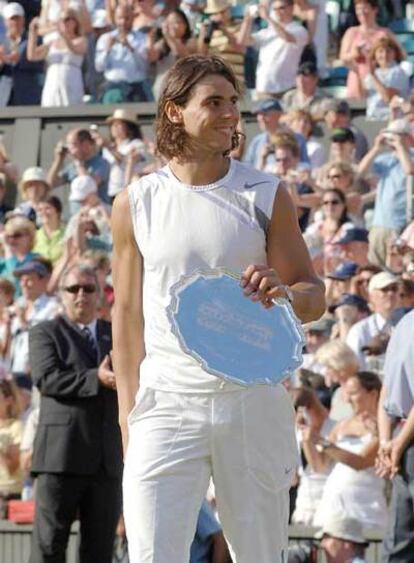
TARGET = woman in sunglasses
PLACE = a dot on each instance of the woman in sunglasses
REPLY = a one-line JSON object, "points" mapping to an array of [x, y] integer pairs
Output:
{"points": [[330, 228]]}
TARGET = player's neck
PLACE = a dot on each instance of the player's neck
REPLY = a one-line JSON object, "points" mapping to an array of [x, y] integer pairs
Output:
{"points": [[196, 173]]}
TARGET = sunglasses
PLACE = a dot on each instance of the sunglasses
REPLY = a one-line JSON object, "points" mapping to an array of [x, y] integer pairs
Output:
{"points": [[16, 235], [87, 288], [335, 176], [332, 202]]}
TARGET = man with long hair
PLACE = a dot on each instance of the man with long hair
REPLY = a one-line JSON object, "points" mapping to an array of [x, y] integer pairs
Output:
{"points": [[202, 210]]}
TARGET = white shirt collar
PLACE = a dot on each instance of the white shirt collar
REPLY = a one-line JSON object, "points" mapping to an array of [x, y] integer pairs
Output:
{"points": [[91, 326]]}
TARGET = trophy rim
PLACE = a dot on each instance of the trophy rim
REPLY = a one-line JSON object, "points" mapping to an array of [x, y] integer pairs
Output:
{"points": [[172, 310]]}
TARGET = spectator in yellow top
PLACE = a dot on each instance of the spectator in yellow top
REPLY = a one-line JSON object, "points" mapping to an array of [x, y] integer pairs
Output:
{"points": [[49, 238]]}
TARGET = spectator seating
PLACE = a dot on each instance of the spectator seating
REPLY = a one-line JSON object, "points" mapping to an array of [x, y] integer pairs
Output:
{"points": [[402, 26]]}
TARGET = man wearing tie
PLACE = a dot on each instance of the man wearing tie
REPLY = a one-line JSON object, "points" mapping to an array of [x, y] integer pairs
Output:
{"points": [[77, 450]]}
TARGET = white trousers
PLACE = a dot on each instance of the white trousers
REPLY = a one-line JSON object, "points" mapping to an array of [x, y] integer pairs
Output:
{"points": [[244, 439]]}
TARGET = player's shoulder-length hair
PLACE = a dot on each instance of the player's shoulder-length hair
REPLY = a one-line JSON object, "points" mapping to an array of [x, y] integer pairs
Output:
{"points": [[171, 138]]}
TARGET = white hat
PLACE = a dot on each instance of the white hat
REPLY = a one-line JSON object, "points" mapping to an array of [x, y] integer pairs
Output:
{"points": [[123, 115], [99, 19], [217, 6], [399, 127], [13, 9], [81, 187], [343, 528], [33, 174], [381, 280]]}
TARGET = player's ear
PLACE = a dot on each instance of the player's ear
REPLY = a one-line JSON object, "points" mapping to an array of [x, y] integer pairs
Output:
{"points": [[173, 112]]}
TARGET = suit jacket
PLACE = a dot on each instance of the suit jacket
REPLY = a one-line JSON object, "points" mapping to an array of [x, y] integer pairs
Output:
{"points": [[78, 428]]}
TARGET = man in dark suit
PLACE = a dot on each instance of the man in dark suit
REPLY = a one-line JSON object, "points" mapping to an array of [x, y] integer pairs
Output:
{"points": [[77, 454]]}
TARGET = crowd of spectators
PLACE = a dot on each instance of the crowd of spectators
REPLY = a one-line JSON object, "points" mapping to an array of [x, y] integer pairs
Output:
{"points": [[353, 193], [61, 53]]}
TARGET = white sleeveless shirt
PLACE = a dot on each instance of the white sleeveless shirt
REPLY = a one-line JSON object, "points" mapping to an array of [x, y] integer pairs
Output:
{"points": [[179, 229]]}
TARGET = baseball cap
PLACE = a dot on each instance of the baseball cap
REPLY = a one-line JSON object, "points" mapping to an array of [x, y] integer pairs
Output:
{"points": [[344, 271], [342, 528], [382, 280], [23, 210], [354, 300], [308, 69], [81, 187], [33, 266], [337, 106], [354, 234], [262, 106], [13, 9], [342, 135]]}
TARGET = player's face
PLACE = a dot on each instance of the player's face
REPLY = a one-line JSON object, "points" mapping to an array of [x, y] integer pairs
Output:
{"points": [[211, 115]]}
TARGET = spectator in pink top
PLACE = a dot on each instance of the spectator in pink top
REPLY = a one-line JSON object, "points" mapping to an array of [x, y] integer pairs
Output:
{"points": [[357, 43]]}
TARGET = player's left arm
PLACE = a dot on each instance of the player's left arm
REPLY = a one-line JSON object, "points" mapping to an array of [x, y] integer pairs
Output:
{"points": [[288, 263], [287, 253]]}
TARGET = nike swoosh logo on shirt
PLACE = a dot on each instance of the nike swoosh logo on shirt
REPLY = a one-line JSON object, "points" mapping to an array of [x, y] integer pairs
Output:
{"points": [[248, 186]]}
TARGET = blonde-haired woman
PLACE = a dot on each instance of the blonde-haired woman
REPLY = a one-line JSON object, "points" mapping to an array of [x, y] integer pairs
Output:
{"points": [[386, 78], [19, 236], [64, 57], [339, 363]]}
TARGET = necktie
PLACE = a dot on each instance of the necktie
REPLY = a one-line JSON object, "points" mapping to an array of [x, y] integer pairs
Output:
{"points": [[91, 341]]}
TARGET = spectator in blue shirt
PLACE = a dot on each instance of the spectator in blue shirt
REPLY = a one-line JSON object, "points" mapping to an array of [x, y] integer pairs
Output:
{"points": [[209, 544], [268, 114], [386, 79], [84, 160], [392, 161], [122, 56]]}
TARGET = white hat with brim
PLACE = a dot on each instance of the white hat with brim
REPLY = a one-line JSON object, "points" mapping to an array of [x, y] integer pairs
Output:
{"points": [[216, 6], [382, 280], [123, 115], [348, 529], [34, 174], [12, 10], [81, 187]]}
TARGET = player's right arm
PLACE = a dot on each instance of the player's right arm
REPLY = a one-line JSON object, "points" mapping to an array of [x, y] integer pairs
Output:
{"points": [[127, 317]]}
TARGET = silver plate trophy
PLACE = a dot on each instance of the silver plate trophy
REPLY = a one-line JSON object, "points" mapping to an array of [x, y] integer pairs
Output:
{"points": [[229, 335]]}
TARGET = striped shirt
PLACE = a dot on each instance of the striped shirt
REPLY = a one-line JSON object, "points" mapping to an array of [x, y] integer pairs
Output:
{"points": [[221, 46]]}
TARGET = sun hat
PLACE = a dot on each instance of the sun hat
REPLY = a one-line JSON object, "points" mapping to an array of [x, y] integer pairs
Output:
{"points": [[216, 6], [123, 115], [34, 174]]}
